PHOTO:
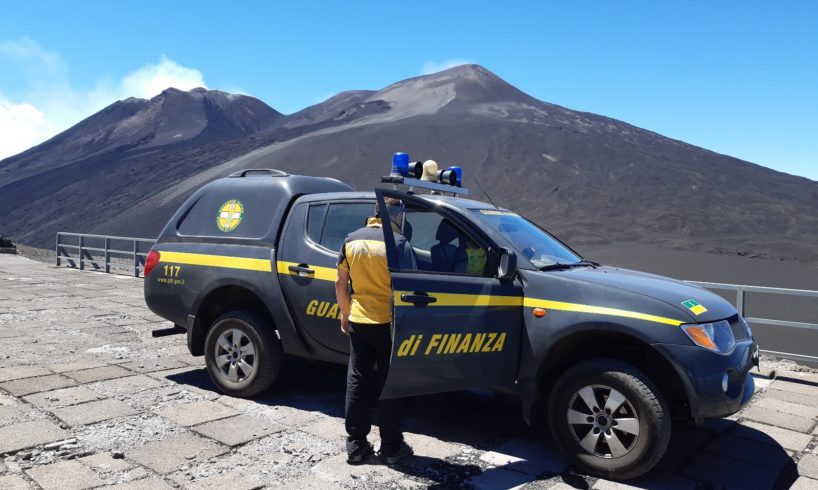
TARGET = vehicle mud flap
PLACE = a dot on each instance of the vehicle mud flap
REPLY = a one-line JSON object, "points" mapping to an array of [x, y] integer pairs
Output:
{"points": [[528, 397]]}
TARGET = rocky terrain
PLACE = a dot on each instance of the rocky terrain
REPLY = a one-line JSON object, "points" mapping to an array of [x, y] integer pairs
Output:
{"points": [[587, 178]]}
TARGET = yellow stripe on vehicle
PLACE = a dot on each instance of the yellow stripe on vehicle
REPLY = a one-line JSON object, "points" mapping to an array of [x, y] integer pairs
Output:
{"points": [[599, 310], [244, 263], [450, 299], [467, 300], [321, 273]]}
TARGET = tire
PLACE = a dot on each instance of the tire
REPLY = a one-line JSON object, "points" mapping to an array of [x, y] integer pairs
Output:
{"points": [[643, 419], [242, 372]]}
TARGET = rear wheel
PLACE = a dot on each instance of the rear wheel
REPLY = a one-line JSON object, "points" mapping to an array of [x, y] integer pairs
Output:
{"points": [[610, 417], [243, 355]]}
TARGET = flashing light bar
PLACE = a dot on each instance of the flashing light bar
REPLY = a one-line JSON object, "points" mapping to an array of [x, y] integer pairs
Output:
{"points": [[412, 174]]}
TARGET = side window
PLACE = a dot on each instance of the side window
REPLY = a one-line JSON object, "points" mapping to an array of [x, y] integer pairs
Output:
{"points": [[315, 221], [440, 246], [341, 220], [230, 211]]}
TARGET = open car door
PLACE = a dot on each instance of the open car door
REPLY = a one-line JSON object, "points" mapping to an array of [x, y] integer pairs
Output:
{"points": [[455, 326]]}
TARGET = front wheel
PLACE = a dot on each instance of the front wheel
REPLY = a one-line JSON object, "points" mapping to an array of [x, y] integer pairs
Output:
{"points": [[242, 353], [610, 417]]}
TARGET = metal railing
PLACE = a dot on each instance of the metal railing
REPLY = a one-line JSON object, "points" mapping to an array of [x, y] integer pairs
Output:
{"points": [[741, 299], [102, 253]]}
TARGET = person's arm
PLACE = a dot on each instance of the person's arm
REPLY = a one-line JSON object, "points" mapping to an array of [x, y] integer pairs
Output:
{"points": [[342, 288], [343, 297]]}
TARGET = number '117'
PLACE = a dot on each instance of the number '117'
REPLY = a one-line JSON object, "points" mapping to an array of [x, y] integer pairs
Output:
{"points": [[172, 270]]}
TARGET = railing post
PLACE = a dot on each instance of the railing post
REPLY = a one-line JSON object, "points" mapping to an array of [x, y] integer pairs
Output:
{"points": [[82, 263], [107, 263], [740, 301], [57, 249], [135, 259]]}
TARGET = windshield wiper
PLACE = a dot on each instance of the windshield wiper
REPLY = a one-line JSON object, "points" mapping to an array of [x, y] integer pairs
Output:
{"points": [[588, 262], [563, 265]]}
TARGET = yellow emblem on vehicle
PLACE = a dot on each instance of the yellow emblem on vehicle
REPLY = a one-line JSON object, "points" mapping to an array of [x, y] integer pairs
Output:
{"points": [[230, 215], [694, 306]]}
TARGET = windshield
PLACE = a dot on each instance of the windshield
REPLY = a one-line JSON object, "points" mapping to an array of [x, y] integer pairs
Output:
{"points": [[528, 239]]}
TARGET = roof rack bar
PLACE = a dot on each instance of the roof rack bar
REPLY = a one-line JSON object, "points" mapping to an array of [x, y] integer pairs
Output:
{"points": [[424, 184]]}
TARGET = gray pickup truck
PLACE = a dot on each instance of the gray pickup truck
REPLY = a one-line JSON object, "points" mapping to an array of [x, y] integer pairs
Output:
{"points": [[245, 268]]}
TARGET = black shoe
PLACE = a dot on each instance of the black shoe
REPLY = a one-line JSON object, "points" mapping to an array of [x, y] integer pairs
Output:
{"points": [[392, 456], [361, 454]]}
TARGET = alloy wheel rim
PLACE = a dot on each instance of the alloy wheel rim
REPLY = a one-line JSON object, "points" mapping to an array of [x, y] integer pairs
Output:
{"points": [[603, 421], [235, 356]]}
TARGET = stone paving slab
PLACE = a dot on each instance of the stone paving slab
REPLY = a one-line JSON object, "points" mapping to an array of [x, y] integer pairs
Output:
{"points": [[336, 470], [810, 400], [773, 405], [65, 475], [526, 457], [167, 455], [151, 365], [234, 481], [804, 483], [92, 412], [767, 455], [29, 434], [63, 367], [126, 386], [152, 483], [196, 413], [27, 386], [779, 419], [788, 439], [808, 466], [98, 374], [105, 462], [650, 482], [795, 386], [494, 478], [328, 428], [13, 482], [62, 398], [431, 447], [20, 372], [238, 430], [729, 472]]}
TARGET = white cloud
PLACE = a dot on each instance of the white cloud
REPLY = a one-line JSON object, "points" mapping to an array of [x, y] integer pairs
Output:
{"points": [[50, 104], [433, 67]]}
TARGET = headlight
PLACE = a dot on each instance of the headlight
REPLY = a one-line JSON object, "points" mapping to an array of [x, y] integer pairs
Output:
{"points": [[716, 336]]}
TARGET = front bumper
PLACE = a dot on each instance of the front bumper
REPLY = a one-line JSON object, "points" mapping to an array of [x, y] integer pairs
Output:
{"points": [[702, 372]]}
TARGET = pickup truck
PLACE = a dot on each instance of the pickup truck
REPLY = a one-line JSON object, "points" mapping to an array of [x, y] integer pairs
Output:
{"points": [[608, 356]]}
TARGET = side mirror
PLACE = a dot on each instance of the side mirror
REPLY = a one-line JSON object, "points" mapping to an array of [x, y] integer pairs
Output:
{"points": [[507, 268]]}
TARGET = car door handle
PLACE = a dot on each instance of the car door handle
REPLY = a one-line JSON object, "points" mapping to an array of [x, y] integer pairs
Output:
{"points": [[301, 269], [418, 298]]}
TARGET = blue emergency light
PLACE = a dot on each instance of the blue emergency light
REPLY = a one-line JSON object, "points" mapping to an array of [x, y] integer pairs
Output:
{"points": [[459, 175], [400, 164]]}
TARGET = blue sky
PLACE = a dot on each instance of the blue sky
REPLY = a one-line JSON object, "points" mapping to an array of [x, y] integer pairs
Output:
{"points": [[739, 77]]}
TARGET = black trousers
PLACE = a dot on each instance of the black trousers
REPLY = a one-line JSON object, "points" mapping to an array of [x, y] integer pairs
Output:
{"points": [[370, 345]]}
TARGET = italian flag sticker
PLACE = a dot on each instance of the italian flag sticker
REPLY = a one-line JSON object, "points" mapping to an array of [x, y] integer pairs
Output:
{"points": [[694, 306]]}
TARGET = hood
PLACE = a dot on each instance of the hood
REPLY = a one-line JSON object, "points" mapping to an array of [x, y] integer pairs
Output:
{"points": [[699, 304]]}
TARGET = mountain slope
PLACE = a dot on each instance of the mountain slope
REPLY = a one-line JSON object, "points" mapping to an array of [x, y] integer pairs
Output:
{"points": [[588, 178], [171, 117]]}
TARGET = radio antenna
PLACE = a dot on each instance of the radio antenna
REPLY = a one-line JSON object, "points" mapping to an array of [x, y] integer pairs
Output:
{"points": [[484, 191]]}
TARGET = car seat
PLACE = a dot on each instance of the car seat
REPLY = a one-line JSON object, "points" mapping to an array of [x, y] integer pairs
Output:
{"points": [[446, 256]]}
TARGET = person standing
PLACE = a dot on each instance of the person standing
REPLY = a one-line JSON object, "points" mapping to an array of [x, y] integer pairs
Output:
{"points": [[366, 317]]}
